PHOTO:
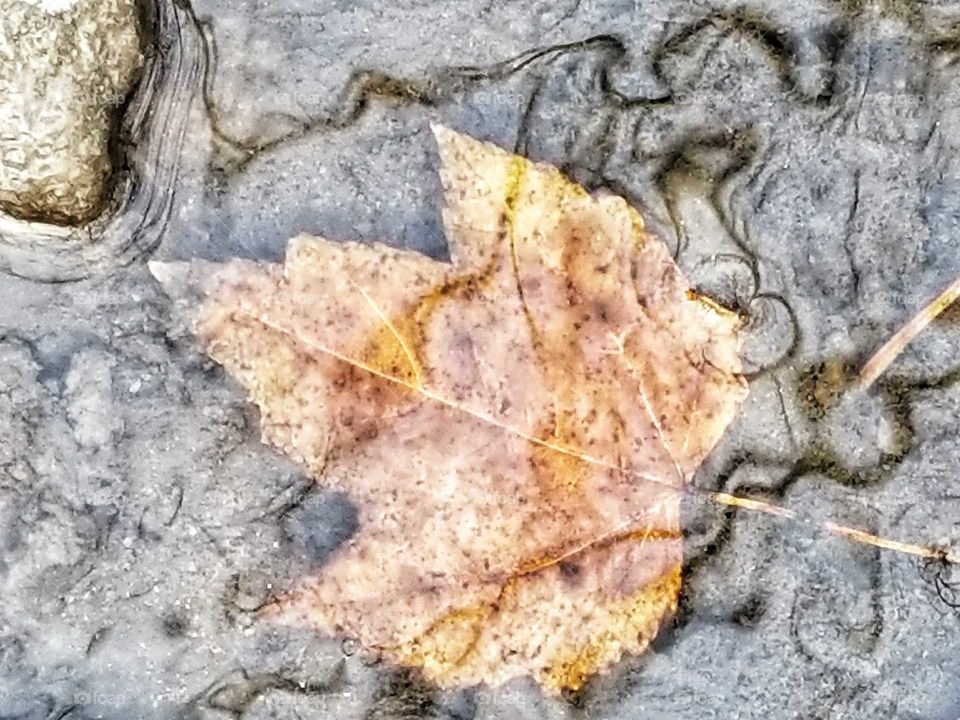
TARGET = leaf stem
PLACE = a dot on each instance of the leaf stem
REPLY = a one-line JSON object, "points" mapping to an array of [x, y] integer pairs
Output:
{"points": [[754, 505]]}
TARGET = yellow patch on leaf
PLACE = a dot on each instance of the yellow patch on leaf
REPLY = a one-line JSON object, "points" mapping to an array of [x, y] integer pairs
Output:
{"points": [[514, 427]]}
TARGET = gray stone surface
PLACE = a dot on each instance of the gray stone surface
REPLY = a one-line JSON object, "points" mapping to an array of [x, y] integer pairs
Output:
{"points": [[66, 67], [801, 158]]}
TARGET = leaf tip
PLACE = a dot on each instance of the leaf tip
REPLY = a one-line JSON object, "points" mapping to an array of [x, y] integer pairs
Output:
{"points": [[187, 284], [442, 133], [446, 139], [455, 147], [180, 279], [165, 272]]}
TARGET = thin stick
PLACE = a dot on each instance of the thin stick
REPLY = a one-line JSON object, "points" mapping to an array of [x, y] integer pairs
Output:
{"points": [[895, 345], [850, 533]]}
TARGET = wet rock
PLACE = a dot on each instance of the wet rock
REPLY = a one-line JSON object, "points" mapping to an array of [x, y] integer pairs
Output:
{"points": [[66, 67]]}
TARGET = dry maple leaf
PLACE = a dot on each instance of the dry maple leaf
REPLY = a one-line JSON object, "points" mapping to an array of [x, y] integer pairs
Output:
{"points": [[513, 426]]}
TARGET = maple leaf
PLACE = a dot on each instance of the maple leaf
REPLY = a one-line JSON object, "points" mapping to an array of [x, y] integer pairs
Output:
{"points": [[513, 426]]}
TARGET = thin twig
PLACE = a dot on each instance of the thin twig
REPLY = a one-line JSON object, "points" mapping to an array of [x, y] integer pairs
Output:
{"points": [[895, 345]]}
